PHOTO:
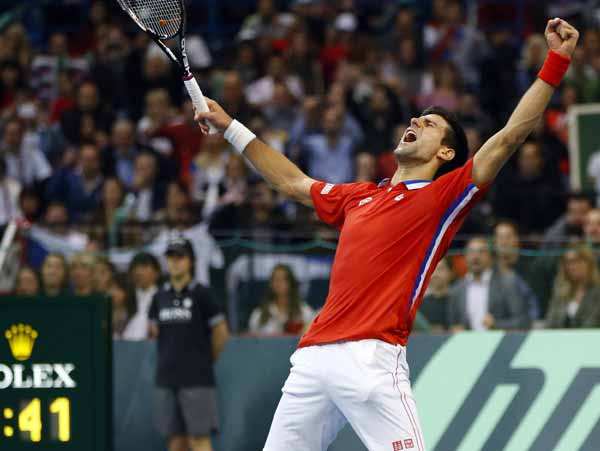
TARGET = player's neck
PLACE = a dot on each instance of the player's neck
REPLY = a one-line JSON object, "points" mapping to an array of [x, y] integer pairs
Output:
{"points": [[405, 172]]}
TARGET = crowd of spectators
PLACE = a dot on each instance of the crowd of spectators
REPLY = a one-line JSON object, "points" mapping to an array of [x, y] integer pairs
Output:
{"points": [[99, 149]]}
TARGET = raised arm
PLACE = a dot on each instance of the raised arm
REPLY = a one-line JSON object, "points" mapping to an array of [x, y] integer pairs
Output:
{"points": [[275, 168], [562, 38]]}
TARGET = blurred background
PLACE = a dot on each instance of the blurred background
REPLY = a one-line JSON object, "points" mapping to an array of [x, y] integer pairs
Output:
{"points": [[101, 160]]}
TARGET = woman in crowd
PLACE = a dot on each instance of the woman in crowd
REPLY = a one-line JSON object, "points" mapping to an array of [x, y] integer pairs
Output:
{"points": [[435, 303], [107, 282], [82, 273], [575, 301], [282, 312], [28, 282], [55, 275]]}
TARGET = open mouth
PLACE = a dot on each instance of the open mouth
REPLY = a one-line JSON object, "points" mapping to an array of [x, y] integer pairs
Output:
{"points": [[409, 136]]}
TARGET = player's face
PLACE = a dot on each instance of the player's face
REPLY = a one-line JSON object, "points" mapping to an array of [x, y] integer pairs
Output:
{"points": [[422, 140]]}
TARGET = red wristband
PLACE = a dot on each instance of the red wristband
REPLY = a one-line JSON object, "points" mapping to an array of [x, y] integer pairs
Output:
{"points": [[554, 68]]}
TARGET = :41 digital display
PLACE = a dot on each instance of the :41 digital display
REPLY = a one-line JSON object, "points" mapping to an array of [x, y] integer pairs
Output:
{"points": [[29, 420]]}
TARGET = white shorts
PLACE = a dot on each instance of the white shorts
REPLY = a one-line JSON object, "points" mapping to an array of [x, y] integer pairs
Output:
{"points": [[365, 383]]}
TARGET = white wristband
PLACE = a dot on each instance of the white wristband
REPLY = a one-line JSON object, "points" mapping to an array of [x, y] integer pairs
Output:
{"points": [[238, 136]]}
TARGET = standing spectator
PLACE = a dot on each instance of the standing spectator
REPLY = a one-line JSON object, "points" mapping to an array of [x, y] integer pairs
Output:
{"points": [[507, 245], [9, 196], [82, 274], [191, 331], [435, 304], [570, 225], [28, 282], [486, 299], [144, 271], [329, 155], [282, 311], [78, 187], [24, 163], [55, 275], [576, 298]]}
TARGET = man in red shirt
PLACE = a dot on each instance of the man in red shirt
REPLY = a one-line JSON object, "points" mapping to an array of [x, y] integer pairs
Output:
{"points": [[351, 364]]}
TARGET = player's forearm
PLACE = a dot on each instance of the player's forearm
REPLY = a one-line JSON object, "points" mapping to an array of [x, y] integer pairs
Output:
{"points": [[277, 169], [528, 113]]}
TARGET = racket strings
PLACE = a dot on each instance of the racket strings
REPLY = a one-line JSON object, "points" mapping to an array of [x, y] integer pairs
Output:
{"points": [[163, 17]]}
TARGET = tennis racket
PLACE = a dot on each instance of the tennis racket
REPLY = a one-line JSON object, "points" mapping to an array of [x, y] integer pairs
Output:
{"points": [[164, 20]]}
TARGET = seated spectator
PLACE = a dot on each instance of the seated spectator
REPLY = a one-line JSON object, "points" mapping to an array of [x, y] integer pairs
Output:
{"points": [[25, 163], [576, 297], [485, 298], [28, 282], [507, 245], [75, 123], [122, 151], [112, 211], [78, 187], [149, 191], [260, 92], [81, 271], [328, 155], [233, 98], [208, 168], [9, 196], [591, 227], [445, 88], [281, 111], [57, 222], [434, 306], [30, 204], [104, 275], [55, 275], [366, 167], [258, 218], [232, 189], [569, 226], [144, 272], [121, 307], [282, 312]]}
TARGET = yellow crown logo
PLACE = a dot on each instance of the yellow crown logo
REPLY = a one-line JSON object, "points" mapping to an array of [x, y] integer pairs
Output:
{"points": [[21, 338]]}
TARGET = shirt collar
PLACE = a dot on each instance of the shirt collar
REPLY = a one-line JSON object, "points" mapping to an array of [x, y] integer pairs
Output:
{"points": [[485, 276], [190, 286], [408, 184]]}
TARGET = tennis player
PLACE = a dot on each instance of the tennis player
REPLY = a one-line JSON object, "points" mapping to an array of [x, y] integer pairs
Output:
{"points": [[351, 364]]}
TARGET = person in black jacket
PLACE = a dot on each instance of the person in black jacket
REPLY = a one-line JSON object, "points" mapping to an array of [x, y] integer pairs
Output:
{"points": [[191, 330]]}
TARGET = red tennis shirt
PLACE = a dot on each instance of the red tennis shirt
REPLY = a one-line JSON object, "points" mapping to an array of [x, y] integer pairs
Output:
{"points": [[391, 240]]}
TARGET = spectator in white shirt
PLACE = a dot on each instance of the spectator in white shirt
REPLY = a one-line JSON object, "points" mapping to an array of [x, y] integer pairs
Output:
{"points": [[144, 271], [24, 163], [57, 222], [486, 298], [282, 312]]}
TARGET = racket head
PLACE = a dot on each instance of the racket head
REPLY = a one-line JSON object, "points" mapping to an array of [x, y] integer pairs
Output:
{"points": [[164, 19]]}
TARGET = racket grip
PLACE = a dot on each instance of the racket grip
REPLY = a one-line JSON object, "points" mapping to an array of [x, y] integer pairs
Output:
{"points": [[197, 97]]}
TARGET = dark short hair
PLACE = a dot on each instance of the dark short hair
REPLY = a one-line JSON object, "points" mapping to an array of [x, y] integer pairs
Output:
{"points": [[145, 259], [455, 138], [585, 196]]}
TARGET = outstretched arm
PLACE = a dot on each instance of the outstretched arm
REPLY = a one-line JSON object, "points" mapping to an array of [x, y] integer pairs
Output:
{"points": [[562, 38], [276, 169]]}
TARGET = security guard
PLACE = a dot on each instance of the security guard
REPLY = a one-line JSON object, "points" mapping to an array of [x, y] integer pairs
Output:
{"points": [[191, 330]]}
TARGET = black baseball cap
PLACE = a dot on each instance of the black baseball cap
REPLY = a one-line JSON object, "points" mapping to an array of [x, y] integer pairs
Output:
{"points": [[180, 246]]}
